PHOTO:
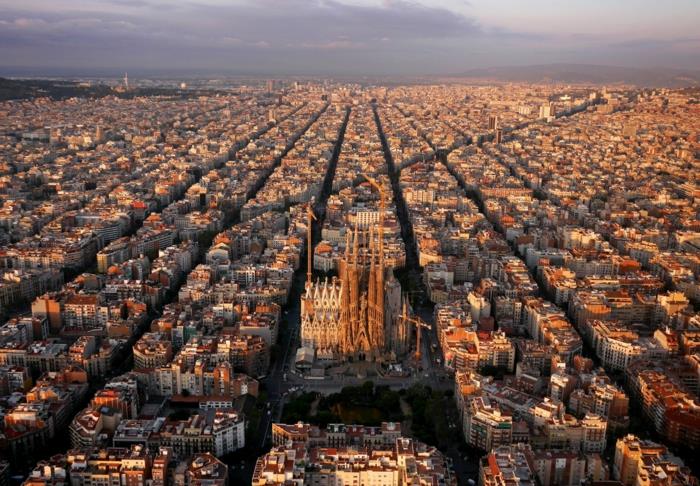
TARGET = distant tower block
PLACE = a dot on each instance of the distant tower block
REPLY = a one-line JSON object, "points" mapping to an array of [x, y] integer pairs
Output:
{"points": [[629, 130], [126, 80], [547, 111], [55, 135], [499, 135], [493, 122]]}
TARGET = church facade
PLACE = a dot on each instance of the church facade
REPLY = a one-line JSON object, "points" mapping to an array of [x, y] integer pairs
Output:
{"points": [[360, 315]]}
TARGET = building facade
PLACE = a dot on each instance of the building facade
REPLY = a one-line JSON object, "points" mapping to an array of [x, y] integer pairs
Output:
{"points": [[361, 315]]}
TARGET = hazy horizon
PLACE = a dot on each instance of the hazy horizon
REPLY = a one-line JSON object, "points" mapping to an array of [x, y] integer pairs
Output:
{"points": [[334, 37]]}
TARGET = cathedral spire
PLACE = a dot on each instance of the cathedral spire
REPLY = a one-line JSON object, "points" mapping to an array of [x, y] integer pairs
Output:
{"points": [[371, 287], [380, 236], [355, 245], [347, 246], [371, 246]]}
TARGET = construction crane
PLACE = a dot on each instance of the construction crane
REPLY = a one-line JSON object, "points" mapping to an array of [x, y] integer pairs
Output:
{"points": [[382, 204], [420, 325], [380, 189], [310, 217], [412, 295]]}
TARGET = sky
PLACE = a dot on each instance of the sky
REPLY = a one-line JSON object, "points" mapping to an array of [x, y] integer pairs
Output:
{"points": [[343, 37]]}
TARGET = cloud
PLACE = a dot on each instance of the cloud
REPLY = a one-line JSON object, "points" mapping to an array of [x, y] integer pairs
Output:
{"points": [[312, 23], [267, 23], [646, 43], [336, 44], [286, 36], [25, 23], [130, 3], [247, 33]]}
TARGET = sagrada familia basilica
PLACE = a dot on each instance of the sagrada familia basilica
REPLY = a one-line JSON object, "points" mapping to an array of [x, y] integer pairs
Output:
{"points": [[361, 314]]}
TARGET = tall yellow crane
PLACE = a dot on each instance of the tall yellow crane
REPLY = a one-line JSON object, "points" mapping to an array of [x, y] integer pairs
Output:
{"points": [[310, 217], [420, 325], [383, 196]]}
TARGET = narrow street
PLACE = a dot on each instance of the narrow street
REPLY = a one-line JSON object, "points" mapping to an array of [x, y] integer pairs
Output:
{"points": [[274, 383]]}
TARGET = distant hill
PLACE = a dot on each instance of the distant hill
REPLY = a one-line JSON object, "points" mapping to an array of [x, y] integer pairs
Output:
{"points": [[589, 73], [17, 89], [11, 89]]}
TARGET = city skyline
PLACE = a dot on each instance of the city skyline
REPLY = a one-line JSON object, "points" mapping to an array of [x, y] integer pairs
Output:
{"points": [[212, 283], [323, 242], [332, 37]]}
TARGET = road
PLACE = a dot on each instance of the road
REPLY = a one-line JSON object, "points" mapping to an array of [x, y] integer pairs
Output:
{"points": [[276, 386], [430, 372], [274, 383]]}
